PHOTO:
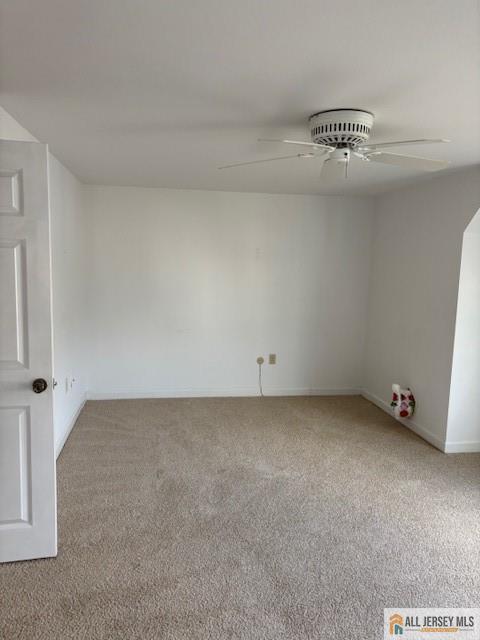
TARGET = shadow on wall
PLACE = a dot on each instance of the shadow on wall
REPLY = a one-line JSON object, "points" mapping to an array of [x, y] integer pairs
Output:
{"points": [[463, 426]]}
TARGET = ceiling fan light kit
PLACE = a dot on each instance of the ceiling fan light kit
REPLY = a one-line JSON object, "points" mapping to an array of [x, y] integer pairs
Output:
{"points": [[339, 134]]}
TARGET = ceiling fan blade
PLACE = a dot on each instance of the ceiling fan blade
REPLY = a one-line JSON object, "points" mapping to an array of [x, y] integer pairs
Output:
{"points": [[401, 143], [241, 164], [305, 144], [408, 162]]}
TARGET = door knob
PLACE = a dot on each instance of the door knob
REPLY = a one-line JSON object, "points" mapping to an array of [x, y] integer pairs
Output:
{"points": [[39, 385]]}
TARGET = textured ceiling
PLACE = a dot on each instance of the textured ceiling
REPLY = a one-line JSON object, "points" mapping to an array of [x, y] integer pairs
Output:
{"points": [[158, 93]]}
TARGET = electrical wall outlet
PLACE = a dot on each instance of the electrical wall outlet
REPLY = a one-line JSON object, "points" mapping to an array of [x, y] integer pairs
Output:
{"points": [[272, 358], [260, 360]]}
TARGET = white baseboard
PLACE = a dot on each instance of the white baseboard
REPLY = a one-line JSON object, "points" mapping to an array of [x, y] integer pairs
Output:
{"points": [[465, 446], [218, 392], [71, 424], [427, 435]]}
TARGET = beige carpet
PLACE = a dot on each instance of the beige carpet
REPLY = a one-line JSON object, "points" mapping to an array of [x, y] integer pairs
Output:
{"points": [[274, 518]]}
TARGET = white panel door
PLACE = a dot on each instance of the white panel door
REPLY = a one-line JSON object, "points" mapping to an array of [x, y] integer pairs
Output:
{"points": [[28, 527]]}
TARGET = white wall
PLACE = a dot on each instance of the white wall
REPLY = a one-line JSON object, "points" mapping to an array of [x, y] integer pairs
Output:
{"points": [[463, 430], [189, 287], [70, 311], [10, 129], [69, 256], [413, 293]]}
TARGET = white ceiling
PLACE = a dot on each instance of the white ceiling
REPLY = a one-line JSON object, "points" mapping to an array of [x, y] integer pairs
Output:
{"points": [[160, 93]]}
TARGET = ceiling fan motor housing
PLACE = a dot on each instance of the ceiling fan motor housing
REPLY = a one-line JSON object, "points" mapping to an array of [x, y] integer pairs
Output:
{"points": [[341, 127]]}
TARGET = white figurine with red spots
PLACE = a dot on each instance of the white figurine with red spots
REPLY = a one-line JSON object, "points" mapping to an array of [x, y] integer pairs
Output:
{"points": [[403, 402]]}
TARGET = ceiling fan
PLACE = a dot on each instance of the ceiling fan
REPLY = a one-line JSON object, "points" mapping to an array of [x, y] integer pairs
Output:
{"points": [[338, 135]]}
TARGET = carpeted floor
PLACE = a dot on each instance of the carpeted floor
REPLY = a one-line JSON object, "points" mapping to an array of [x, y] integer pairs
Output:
{"points": [[273, 518]]}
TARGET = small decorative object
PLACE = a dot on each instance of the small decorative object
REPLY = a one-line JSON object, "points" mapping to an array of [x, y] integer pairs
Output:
{"points": [[403, 402]]}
